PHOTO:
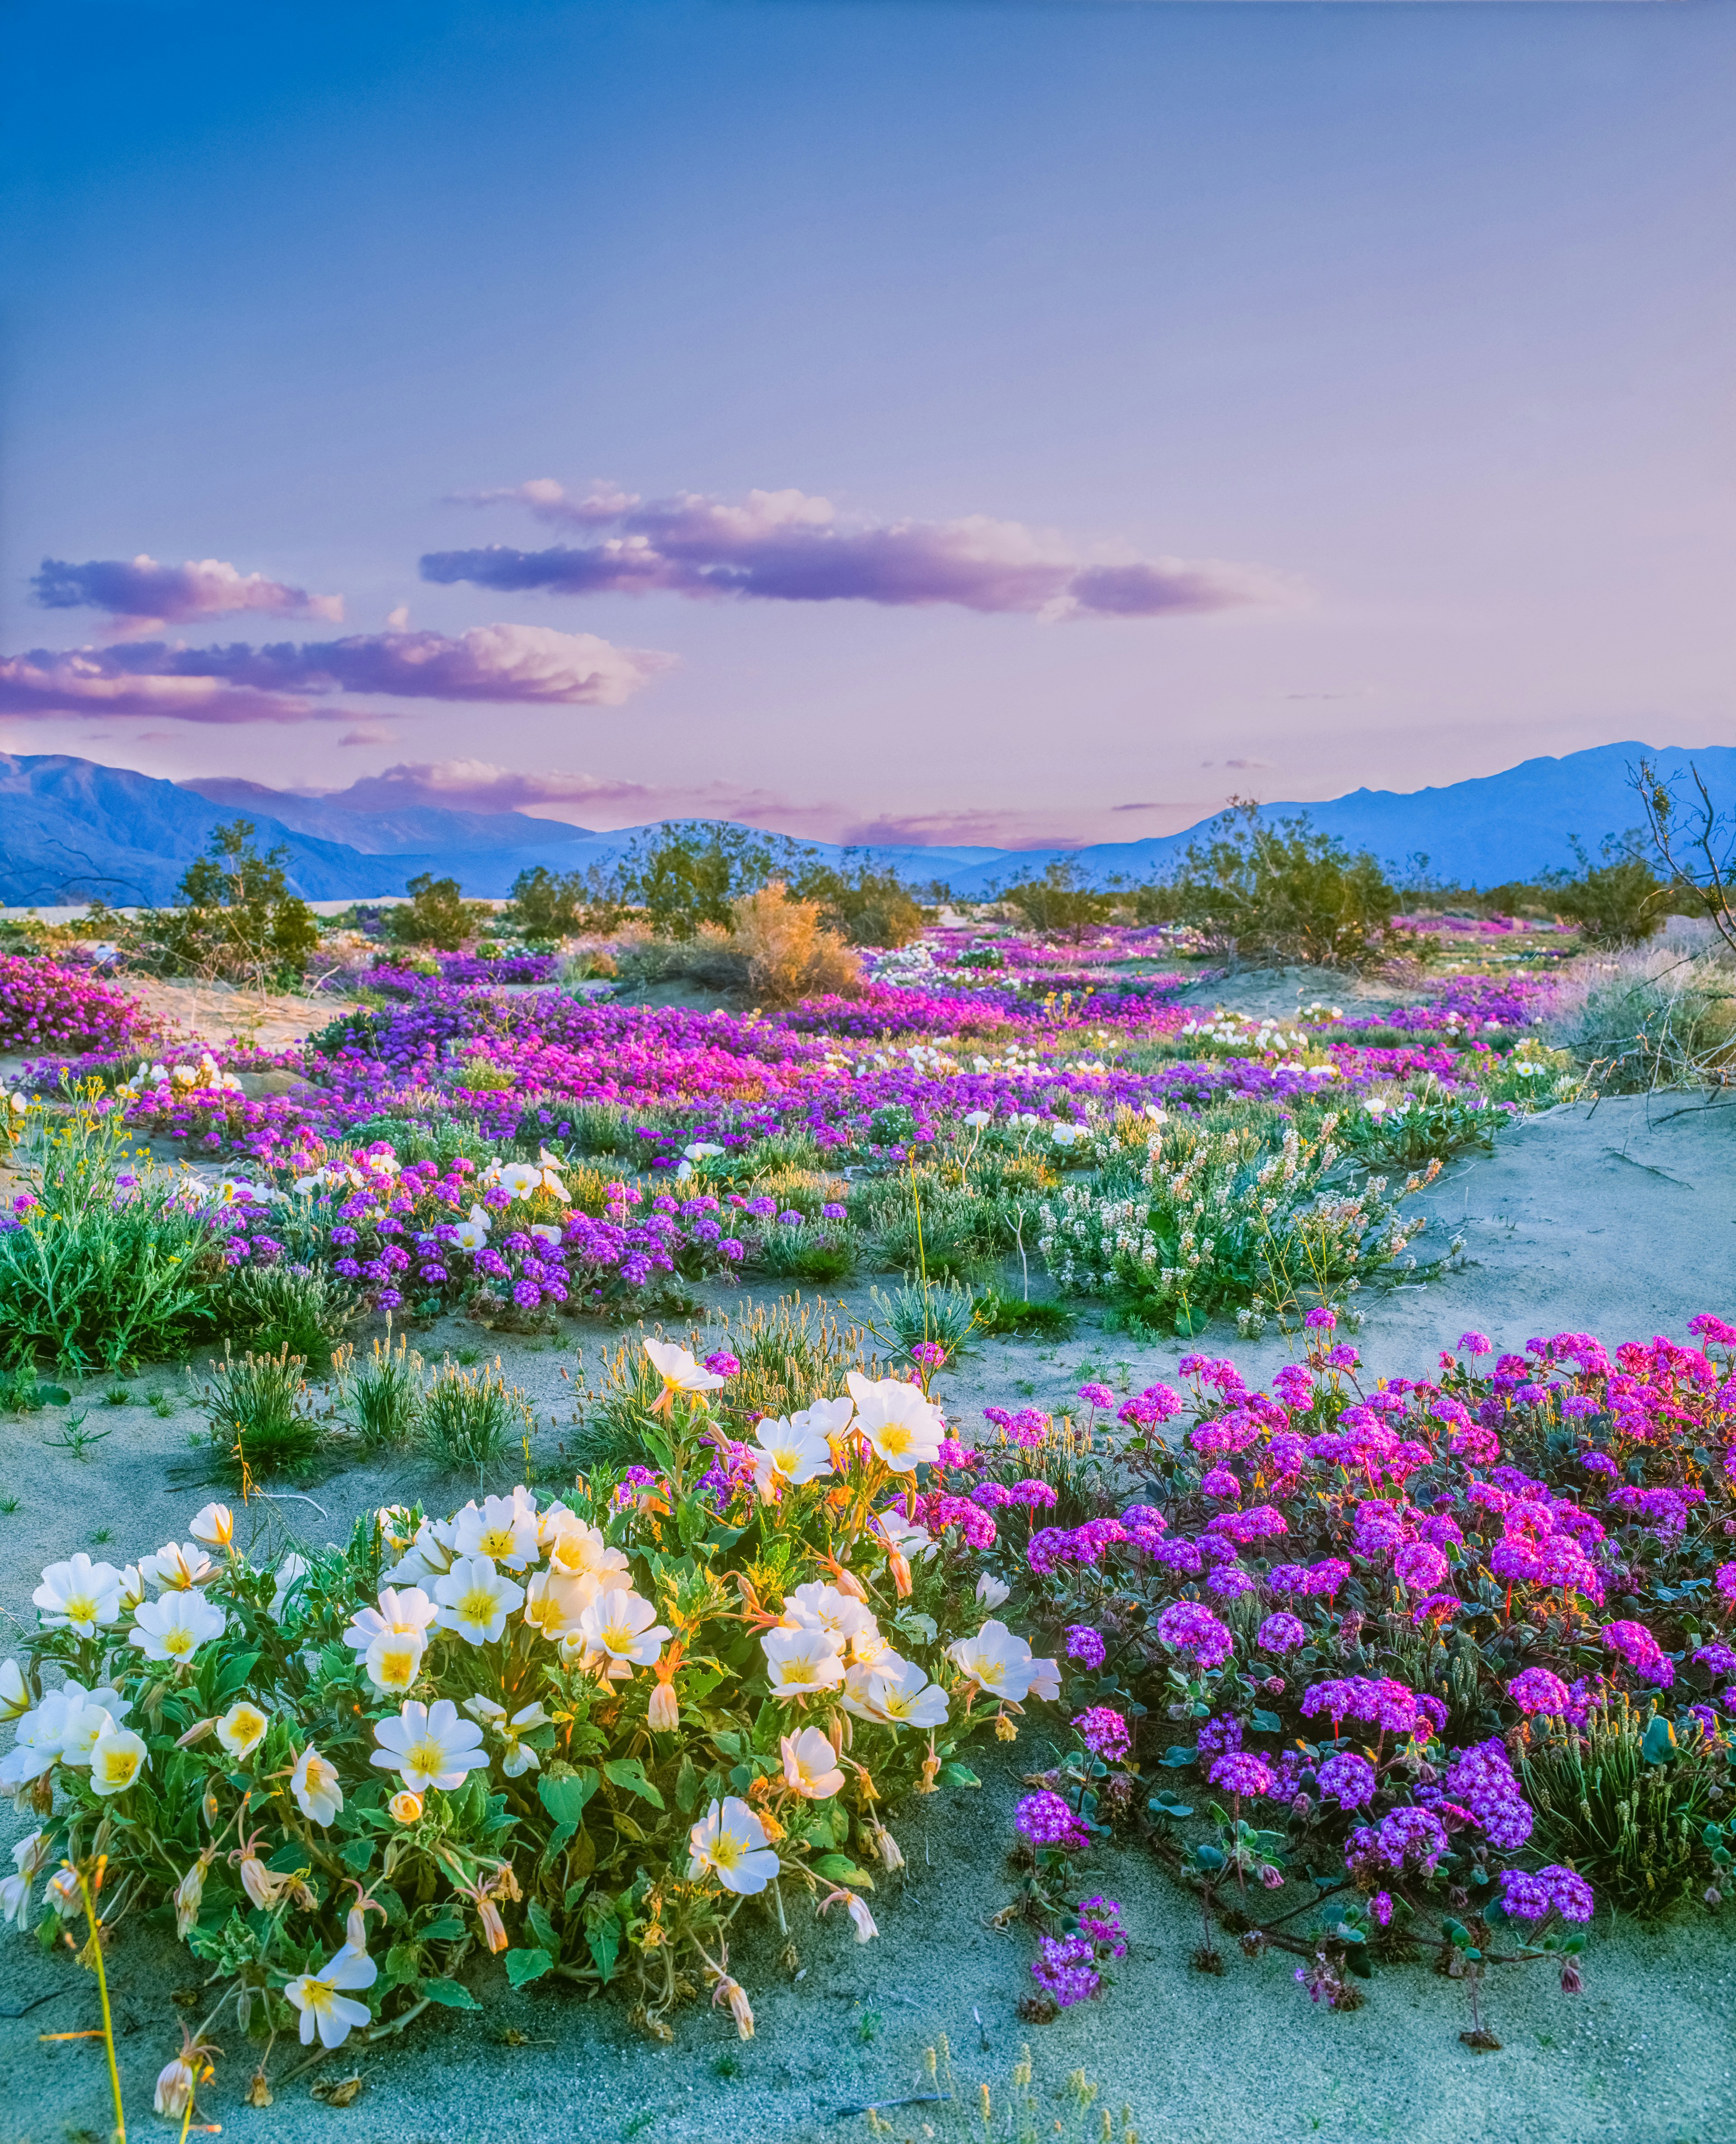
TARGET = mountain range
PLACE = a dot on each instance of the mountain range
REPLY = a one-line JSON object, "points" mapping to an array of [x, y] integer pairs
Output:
{"points": [[70, 829]]}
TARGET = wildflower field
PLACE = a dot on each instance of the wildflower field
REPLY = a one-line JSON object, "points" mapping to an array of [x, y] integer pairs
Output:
{"points": [[695, 1517]]}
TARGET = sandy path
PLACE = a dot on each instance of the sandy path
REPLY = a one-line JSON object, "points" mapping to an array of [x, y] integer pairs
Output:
{"points": [[1621, 1220]]}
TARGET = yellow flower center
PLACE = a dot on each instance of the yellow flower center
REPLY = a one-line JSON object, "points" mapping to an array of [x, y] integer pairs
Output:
{"points": [[428, 1757], [895, 1439], [798, 1670], [119, 1765], [81, 1607], [178, 1641], [497, 1542], [726, 1851], [477, 1605], [398, 1667], [618, 1637]]}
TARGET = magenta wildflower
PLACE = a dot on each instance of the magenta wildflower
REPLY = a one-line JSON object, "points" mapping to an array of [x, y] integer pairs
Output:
{"points": [[1066, 1968], [1103, 1732], [1086, 1645]]}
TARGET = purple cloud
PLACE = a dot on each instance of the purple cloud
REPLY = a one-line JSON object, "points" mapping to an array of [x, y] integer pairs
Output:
{"points": [[520, 665], [143, 595], [789, 547]]}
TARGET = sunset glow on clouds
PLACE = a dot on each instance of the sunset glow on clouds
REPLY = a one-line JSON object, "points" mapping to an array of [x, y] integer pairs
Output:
{"points": [[142, 595], [789, 547], [509, 665]]}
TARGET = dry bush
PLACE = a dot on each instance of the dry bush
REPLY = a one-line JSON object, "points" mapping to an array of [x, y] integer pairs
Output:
{"points": [[1660, 1016], [788, 951]]}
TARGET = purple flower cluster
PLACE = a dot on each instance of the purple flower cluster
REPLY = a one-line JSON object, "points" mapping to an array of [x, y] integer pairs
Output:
{"points": [[1103, 1732], [1045, 1819], [1066, 1968], [1533, 1895]]}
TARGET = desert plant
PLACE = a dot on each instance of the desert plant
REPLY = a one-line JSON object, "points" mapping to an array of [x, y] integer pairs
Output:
{"points": [[866, 904], [100, 1271], [789, 953], [685, 873], [1283, 891], [1057, 902], [235, 918], [469, 1416], [1617, 902], [263, 1419], [1660, 1017], [943, 1315], [1696, 844], [436, 914], [302, 1308], [382, 1397], [1627, 1807]]}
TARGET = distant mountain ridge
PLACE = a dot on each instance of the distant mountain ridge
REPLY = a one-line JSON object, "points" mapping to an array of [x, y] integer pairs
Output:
{"points": [[70, 829]]}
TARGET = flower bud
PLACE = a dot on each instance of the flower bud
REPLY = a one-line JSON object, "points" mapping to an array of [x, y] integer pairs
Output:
{"points": [[1714, 1897], [1005, 1730], [664, 1713], [931, 1772], [740, 2008], [405, 1807], [188, 1893], [174, 2091], [857, 1909], [1271, 1878], [899, 1564], [197, 1732], [849, 1583], [1571, 1983], [259, 2091], [890, 1856], [493, 1929]]}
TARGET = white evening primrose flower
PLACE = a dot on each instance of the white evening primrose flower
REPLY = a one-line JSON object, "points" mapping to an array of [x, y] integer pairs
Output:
{"points": [[520, 1758], [174, 1627], [428, 1555], [403, 1611], [789, 1452], [117, 1760], [291, 1572], [861, 1918], [177, 1565], [996, 1659], [1045, 1680], [577, 1550], [28, 1856], [679, 1371], [475, 1599], [1065, 1134], [242, 1729], [701, 1150], [554, 1601], [729, 1842], [548, 1169], [802, 1662], [826, 1608], [86, 1724], [323, 2010], [518, 1178], [429, 1746], [903, 1536], [811, 1764], [472, 1232], [503, 1529], [79, 1594], [314, 1783], [393, 1660], [546, 1231], [215, 1525], [992, 1592], [622, 1625], [978, 1118], [897, 1420], [896, 1693]]}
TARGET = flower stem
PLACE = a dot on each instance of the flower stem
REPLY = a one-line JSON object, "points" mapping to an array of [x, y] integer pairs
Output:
{"points": [[108, 2021]]}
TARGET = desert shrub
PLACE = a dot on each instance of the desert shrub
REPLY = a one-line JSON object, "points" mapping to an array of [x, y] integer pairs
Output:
{"points": [[263, 1419], [235, 918], [865, 905], [381, 1396], [821, 1253], [580, 1829], [1058, 903], [470, 1417], [926, 1225], [436, 914], [545, 905], [683, 874], [1664, 1016], [789, 954], [442, 1137], [1281, 891], [304, 1308], [22, 1391], [1401, 1127], [787, 1352], [1617, 902], [97, 1270], [48, 1009]]}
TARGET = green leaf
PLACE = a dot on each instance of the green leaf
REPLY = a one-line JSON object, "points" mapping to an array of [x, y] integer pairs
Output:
{"points": [[602, 1935], [450, 1995], [628, 1774], [1165, 1804], [1356, 1958], [957, 1776], [564, 1798], [233, 1674], [448, 1928], [356, 1853], [686, 1786], [1208, 1857], [524, 1965], [1179, 1754], [536, 1916], [1266, 1723], [840, 1868], [404, 1964], [54, 1395], [1659, 1745]]}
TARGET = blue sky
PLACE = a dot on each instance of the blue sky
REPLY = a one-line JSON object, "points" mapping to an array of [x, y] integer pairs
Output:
{"points": [[1382, 351]]}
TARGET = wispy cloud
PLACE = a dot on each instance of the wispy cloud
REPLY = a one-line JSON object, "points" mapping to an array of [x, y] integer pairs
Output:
{"points": [[790, 547], [516, 665], [143, 596]]}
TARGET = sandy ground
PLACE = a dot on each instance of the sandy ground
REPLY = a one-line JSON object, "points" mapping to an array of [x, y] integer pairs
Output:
{"points": [[1620, 1219]]}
